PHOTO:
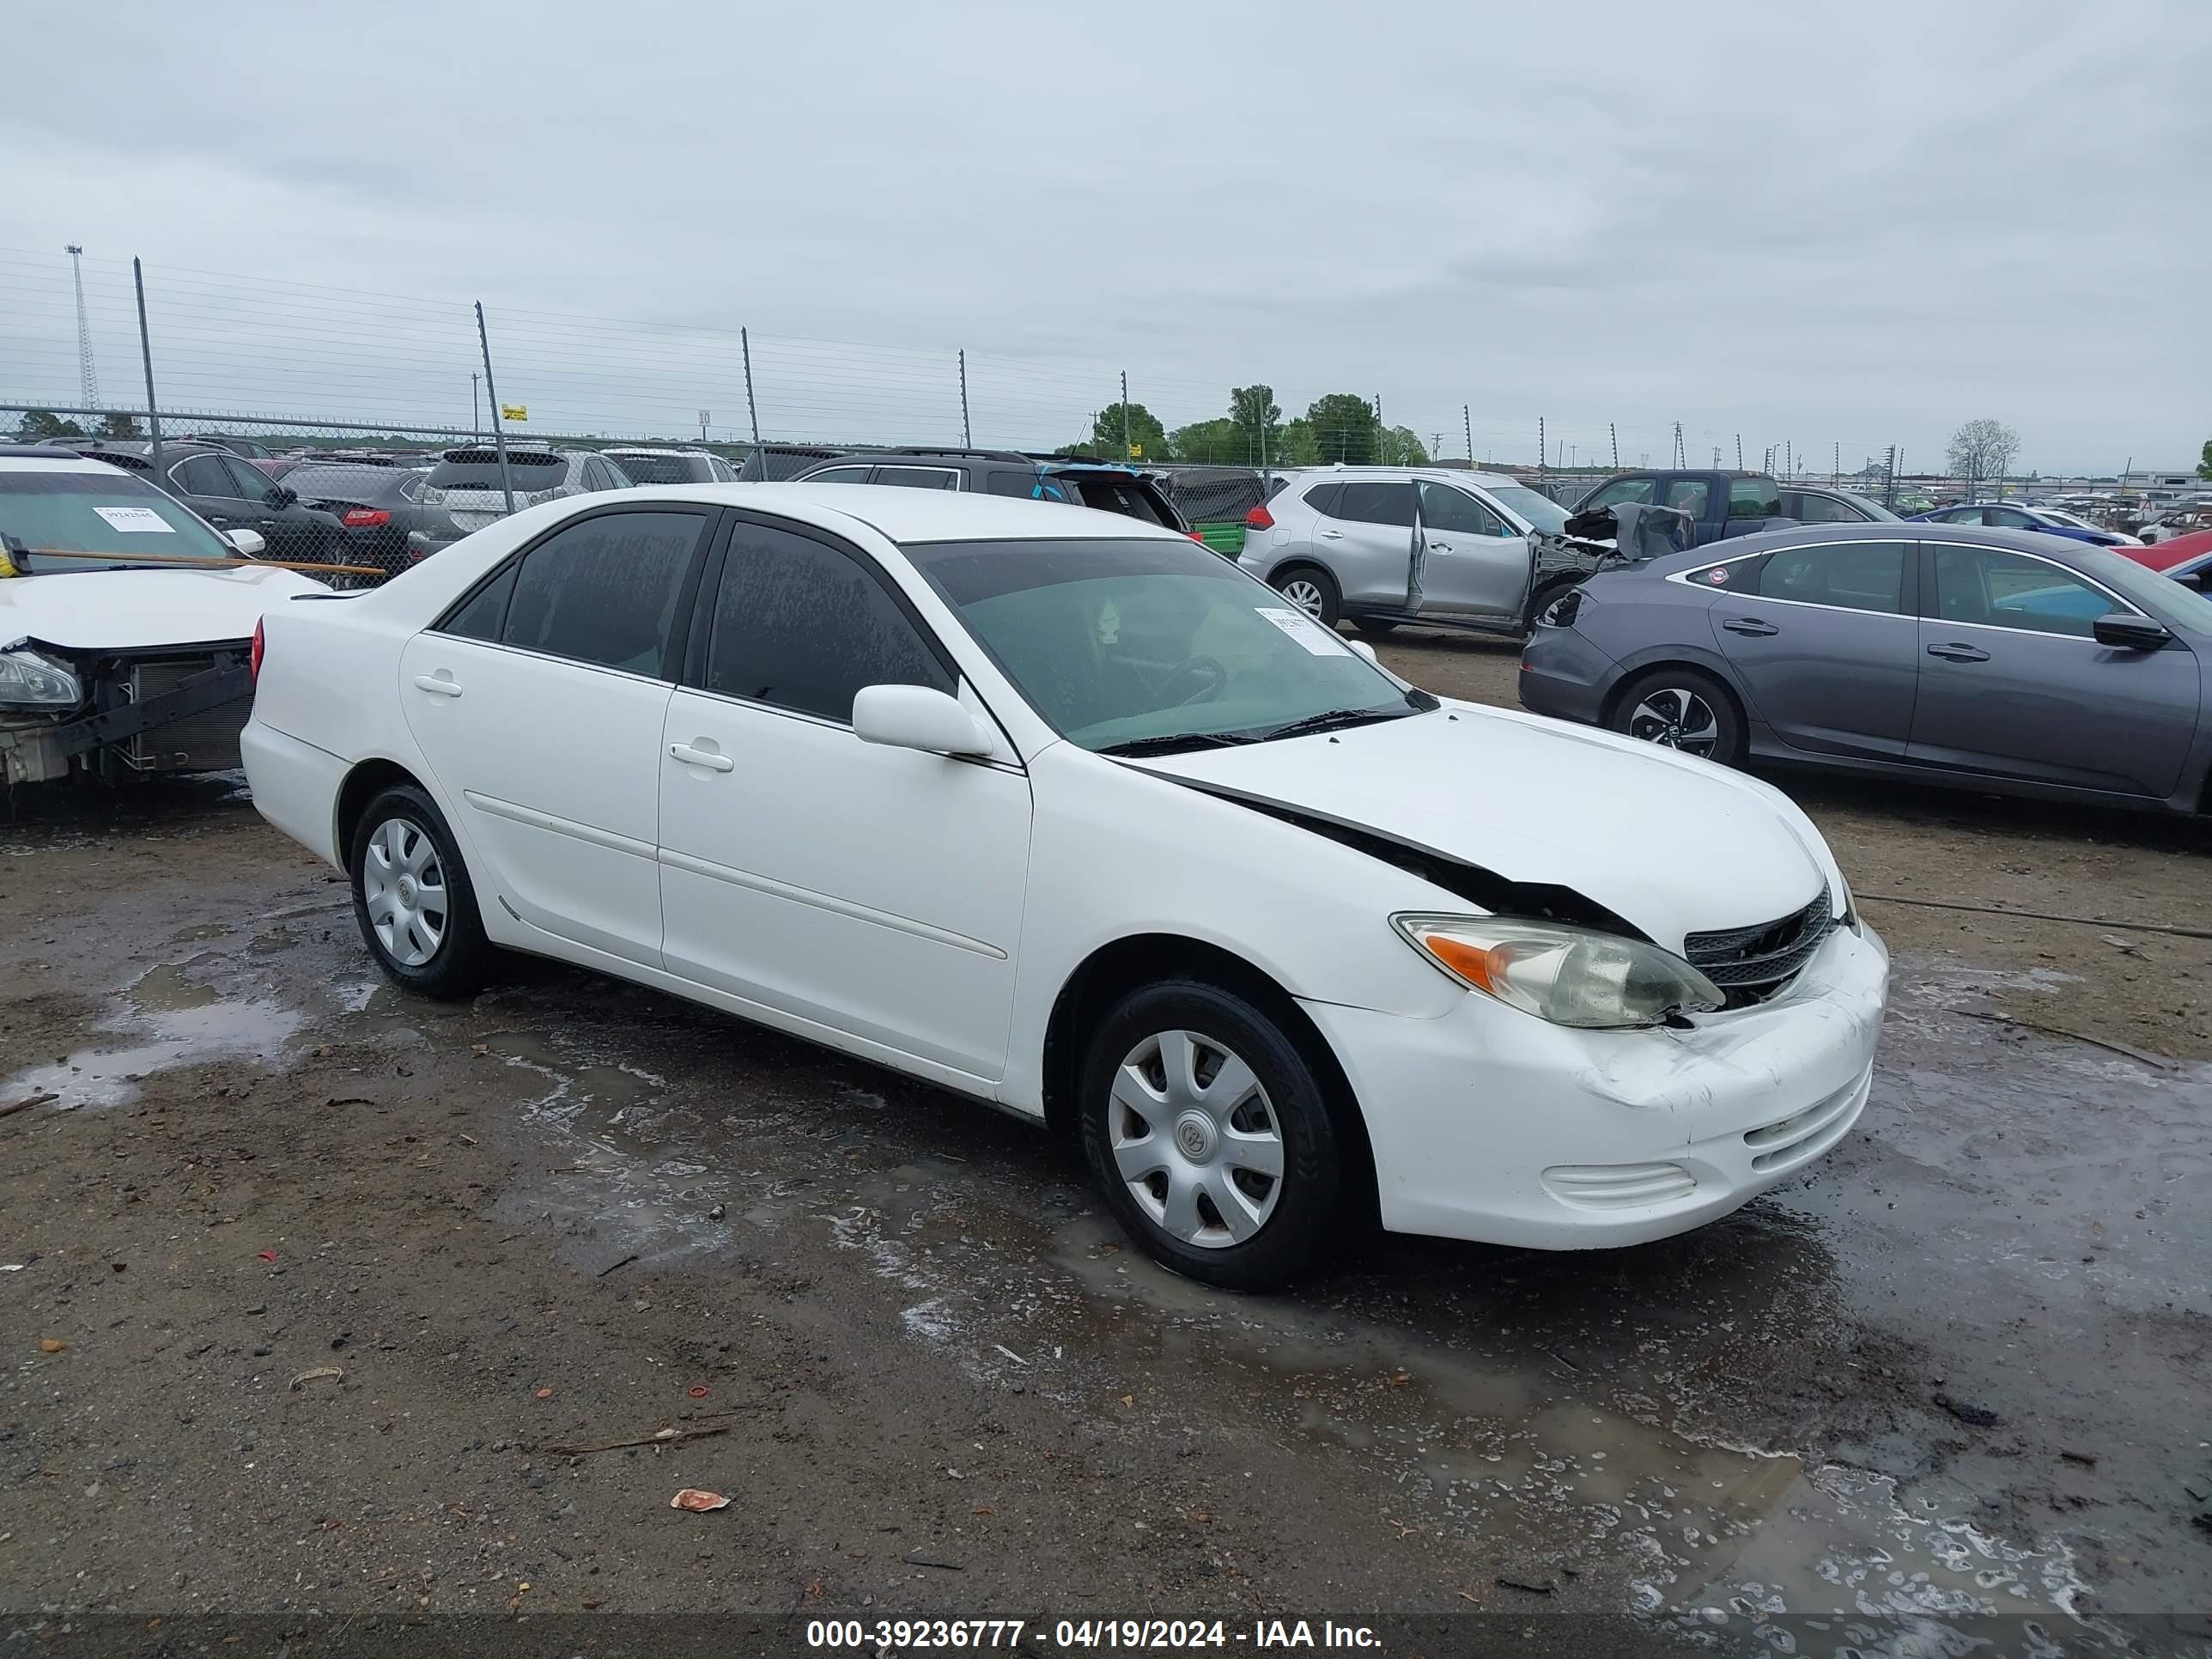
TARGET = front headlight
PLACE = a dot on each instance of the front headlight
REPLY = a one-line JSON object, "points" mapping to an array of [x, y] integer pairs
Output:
{"points": [[29, 680], [1568, 975]]}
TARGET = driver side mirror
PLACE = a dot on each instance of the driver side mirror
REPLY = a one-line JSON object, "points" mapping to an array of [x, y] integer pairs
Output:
{"points": [[249, 543], [2192, 579], [917, 717], [280, 496], [1361, 648]]}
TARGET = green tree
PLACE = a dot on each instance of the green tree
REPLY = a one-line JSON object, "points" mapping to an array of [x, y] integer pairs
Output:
{"points": [[1148, 439], [1343, 426], [1254, 411], [1300, 447], [1218, 442], [2204, 463], [1400, 445], [45, 423], [119, 425]]}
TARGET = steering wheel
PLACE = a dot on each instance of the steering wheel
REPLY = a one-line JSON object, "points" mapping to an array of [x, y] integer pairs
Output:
{"points": [[1211, 678]]}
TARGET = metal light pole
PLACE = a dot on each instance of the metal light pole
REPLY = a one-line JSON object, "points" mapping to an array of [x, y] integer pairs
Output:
{"points": [[476, 420], [967, 432], [146, 352], [491, 397]]}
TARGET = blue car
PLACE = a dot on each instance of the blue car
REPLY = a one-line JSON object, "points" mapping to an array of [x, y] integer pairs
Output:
{"points": [[2010, 515]]}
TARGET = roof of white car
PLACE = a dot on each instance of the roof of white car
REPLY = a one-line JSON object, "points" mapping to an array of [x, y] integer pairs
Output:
{"points": [[62, 462], [1444, 474], [915, 515]]}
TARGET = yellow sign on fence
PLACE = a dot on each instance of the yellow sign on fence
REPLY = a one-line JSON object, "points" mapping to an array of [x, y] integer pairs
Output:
{"points": [[514, 412]]}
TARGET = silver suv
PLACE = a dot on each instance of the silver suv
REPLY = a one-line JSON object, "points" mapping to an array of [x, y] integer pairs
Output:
{"points": [[467, 482], [1380, 545]]}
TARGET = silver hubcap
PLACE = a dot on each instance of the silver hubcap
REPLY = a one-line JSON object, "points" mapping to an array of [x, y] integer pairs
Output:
{"points": [[1196, 1138], [404, 886], [1675, 718], [1304, 595]]}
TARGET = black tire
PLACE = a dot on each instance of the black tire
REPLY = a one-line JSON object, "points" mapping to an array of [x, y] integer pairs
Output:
{"points": [[1541, 600], [1327, 604], [1299, 1221], [1379, 627], [1659, 693], [461, 958]]}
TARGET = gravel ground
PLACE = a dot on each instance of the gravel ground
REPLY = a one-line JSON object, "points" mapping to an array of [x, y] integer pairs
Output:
{"points": [[316, 1282]]}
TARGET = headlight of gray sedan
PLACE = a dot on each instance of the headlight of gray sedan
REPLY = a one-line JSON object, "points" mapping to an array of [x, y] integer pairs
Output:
{"points": [[1568, 975], [28, 680]]}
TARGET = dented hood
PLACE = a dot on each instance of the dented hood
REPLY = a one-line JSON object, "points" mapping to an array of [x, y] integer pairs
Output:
{"points": [[143, 609], [1673, 846]]}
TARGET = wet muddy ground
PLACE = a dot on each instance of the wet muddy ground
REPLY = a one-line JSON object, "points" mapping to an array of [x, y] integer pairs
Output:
{"points": [[305, 1283]]}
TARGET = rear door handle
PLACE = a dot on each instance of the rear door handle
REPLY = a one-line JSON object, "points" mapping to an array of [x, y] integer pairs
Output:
{"points": [[1440, 547], [438, 685], [1750, 625], [1332, 535], [1959, 652], [701, 758]]}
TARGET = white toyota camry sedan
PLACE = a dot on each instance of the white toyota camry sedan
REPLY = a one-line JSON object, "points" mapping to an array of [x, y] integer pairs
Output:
{"points": [[1067, 813]]}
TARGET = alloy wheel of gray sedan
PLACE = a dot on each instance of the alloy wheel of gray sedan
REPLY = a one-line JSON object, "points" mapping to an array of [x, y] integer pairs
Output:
{"points": [[405, 887], [1675, 717], [1196, 1138]]}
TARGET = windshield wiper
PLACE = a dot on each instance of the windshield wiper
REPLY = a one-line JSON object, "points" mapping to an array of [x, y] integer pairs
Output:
{"points": [[1332, 719], [1170, 742]]}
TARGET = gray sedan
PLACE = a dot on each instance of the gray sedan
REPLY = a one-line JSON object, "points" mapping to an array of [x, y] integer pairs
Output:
{"points": [[1986, 658]]}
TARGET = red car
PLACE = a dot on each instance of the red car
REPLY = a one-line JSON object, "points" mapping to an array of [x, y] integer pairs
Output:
{"points": [[2164, 556]]}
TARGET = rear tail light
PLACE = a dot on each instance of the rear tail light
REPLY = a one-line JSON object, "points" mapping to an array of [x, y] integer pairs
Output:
{"points": [[1196, 536], [1259, 518], [260, 649], [433, 496], [364, 517]]}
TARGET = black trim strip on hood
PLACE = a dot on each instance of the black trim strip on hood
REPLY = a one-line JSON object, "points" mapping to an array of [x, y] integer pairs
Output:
{"points": [[1500, 896]]}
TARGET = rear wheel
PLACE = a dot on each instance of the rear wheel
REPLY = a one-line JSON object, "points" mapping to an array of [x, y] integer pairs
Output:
{"points": [[1683, 708], [413, 900], [1313, 590], [1211, 1136]]}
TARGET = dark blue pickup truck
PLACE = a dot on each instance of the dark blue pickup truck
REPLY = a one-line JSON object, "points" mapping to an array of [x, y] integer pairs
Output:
{"points": [[1722, 504]]}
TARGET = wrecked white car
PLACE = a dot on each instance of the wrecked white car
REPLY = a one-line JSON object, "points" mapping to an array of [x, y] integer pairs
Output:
{"points": [[126, 625]]}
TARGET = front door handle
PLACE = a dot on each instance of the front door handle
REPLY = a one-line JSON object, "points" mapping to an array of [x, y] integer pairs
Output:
{"points": [[701, 758], [1959, 652], [1439, 547], [1754, 626], [439, 684]]}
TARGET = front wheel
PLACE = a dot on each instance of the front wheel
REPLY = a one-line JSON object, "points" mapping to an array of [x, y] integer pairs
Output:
{"points": [[1211, 1136], [1313, 591], [1683, 708], [413, 900]]}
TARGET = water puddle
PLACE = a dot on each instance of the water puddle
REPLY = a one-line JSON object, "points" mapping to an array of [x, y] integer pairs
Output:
{"points": [[180, 1021]]}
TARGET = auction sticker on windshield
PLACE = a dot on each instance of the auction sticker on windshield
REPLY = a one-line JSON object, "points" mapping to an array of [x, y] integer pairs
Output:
{"points": [[1305, 630], [136, 519]]}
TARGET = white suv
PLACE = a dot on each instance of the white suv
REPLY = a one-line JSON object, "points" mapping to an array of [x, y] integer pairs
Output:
{"points": [[1380, 545]]}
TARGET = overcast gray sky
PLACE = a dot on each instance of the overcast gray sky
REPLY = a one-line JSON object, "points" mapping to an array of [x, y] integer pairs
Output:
{"points": [[1852, 224]]}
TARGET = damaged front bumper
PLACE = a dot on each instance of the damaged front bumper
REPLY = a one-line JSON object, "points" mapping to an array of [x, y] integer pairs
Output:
{"points": [[171, 713], [1490, 1124]]}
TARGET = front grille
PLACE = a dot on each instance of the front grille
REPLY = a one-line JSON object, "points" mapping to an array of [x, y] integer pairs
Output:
{"points": [[1750, 964], [205, 742]]}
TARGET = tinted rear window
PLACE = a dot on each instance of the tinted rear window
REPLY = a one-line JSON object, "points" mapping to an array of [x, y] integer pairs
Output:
{"points": [[347, 484], [1754, 498], [481, 472], [1123, 495]]}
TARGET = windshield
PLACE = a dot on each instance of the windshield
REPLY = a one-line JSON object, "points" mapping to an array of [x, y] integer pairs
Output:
{"points": [[1541, 512], [123, 520], [660, 469], [1121, 642]]}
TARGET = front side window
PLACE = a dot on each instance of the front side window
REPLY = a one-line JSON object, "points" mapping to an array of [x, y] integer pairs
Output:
{"points": [[802, 625], [1152, 642], [1367, 502], [1444, 509], [605, 590], [248, 482], [1998, 589], [1849, 575], [838, 475]]}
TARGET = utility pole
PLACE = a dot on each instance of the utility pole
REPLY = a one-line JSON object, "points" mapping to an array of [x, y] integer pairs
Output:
{"points": [[1680, 458], [1542, 448], [1739, 452], [87, 382], [1466, 420], [476, 421], [967, 436], [1613, 433], [1436, 443], [1125, 417], [752, 409], [491, 397], [146, 352], [1836, 473]]}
